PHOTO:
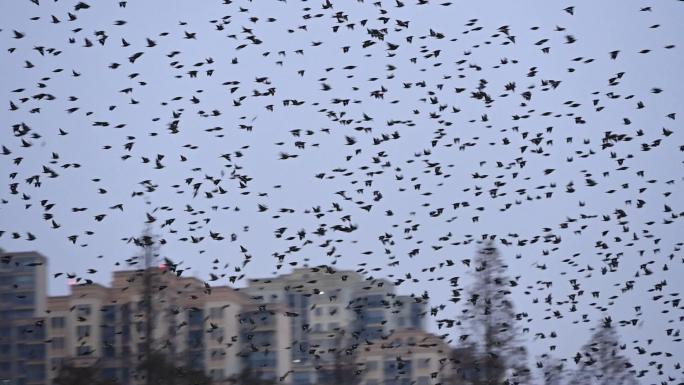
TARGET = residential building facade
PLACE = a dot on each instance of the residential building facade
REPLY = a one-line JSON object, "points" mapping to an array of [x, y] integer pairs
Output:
{"points": [[308, 327], [406, 357], [332, 312], [22, 305], [193, 325]]}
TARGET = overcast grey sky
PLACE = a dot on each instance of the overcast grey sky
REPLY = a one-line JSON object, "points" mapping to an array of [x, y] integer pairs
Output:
{"points": [[598, 27]]}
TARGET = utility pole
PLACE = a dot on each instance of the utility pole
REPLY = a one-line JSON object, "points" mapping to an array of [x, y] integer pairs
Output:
{"points": [[149, 248]]}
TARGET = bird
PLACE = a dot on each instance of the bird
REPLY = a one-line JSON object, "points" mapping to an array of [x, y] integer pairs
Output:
{"points": [[423, 153]]}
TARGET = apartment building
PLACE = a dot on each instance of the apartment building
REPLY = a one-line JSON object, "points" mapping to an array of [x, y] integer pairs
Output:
{"points": [[193, 325], [266, 341], [406, 357], [333, 311], [298, 328], [22, 305]]}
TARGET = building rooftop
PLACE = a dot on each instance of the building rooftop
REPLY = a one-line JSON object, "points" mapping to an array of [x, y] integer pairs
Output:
{"points": [[8, 257]]}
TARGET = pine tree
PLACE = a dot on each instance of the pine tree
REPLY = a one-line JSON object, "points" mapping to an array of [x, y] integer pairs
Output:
{"points": [[149, 247], [490, 316], [553, 370], [162, 372], [248, 376], [343, 371], [465, 366], [70, 374], [600, 361]]}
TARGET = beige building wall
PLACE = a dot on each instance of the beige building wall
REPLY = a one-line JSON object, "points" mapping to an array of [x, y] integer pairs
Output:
{"points": [[257, 320], [330, 313], [222, 344], [171, 305], [426, 354], [283, 346], [59, 334]]}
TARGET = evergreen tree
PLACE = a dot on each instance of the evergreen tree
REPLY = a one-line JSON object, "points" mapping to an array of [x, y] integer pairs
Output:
{"points": [[553, 370], [343, 371], [162, 372], [600, 361], [464, 364], [490, 317], [70, 374], [248, 376]]}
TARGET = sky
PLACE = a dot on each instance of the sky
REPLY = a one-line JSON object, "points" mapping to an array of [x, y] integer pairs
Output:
{"points": [[452, 51]]}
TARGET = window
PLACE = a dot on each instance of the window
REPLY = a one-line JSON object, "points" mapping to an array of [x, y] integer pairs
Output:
{"points": [[83, 331], [390, 368], [326, 377], [301, 378], [108, 334], [261, 359], [109, 351], [371, 365], [25, 280], [217, 334], [6, 297], [262, 338], [333, 325], [24, 299], [30, 332], [58, 343], [195, 318], [35, 372], [217, 354], [109, 313], [83, 310], [125, 374], [57, 322], [374, 316], [56, 363], [83, 350], [416, 318], [109, 374], [318, 312], [31, 352], [125, 312], [5, 280], [371, 333], [217, 374], [424, 363], [195, 338], [195, 360], [19, 314], [27, 263], [423, 380], [375, 300], [216, 312], [21, 333]]}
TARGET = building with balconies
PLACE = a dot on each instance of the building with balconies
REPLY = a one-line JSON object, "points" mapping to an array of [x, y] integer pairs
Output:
{"points": [[23, 279]]}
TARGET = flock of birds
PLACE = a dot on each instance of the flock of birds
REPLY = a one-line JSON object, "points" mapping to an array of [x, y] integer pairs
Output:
{"points": [[384, 136]]}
